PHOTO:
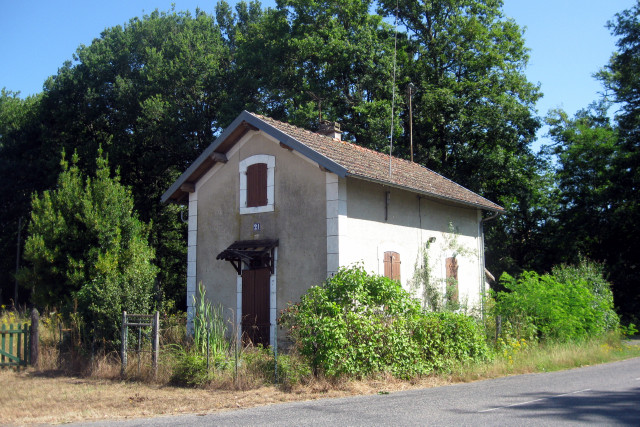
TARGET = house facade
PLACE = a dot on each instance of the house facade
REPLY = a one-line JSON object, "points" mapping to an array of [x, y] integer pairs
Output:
{"points": [[275, 209]]}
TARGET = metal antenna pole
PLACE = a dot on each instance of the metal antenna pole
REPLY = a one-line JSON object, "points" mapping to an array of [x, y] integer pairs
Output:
{"points": [[393, 90], [411, 89], [319, 100]]}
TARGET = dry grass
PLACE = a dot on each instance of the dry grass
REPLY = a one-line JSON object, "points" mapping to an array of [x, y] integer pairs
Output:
{"points": [[41, 397], [68, 386], [54, 397]]}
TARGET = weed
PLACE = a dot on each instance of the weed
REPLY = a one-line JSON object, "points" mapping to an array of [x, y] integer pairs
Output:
{"points": [[190, 367]]}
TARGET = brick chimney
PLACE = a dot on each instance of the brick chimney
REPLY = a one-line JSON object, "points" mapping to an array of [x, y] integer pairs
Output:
{"points": [[331, 129]]}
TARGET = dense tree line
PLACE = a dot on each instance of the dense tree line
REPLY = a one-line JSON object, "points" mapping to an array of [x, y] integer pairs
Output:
{"points": [[598, 169], [156, 91]]}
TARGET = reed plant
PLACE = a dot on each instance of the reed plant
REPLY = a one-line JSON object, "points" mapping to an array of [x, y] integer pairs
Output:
{"points": [[208, 327]]}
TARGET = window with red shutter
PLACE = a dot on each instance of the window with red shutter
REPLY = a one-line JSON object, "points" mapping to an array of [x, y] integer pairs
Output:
{"points": [[257, 185], [392, 265]]}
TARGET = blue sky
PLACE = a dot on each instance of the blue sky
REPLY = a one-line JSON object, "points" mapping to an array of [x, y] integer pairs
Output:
{"points": [[567, 38]]}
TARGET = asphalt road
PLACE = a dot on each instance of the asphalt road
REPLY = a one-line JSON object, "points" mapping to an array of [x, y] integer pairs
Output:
{"points": [[599, 395]]}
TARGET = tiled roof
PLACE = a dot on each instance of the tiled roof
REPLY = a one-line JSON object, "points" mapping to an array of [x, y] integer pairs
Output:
{"points": [[371, 165]]}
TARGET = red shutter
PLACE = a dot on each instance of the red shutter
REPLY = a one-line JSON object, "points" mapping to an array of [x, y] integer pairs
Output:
{"points": [[392, 265], [452, 279], [257, 185]]}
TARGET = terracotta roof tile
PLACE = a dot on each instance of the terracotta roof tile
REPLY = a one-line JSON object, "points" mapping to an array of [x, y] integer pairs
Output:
{"points": [[371, 165]]}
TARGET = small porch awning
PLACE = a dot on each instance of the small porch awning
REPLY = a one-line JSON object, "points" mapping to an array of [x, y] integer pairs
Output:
{"points": [[254, 253]]}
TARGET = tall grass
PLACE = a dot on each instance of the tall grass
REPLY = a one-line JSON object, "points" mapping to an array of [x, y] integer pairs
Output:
{"points": [[208, 326], [8, 317], [549, 356]]}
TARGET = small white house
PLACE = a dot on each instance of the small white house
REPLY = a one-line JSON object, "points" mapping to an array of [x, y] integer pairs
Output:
{"points": [[275, 209]]}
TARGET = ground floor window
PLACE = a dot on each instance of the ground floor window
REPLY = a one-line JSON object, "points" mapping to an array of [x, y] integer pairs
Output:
{"points": [[392, 265]]}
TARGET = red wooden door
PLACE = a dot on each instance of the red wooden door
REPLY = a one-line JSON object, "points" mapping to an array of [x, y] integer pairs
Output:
{"points": [[255, 306]]}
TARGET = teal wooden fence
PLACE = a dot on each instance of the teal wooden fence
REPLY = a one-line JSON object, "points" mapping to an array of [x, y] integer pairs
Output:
{"points": [[14, 345]]}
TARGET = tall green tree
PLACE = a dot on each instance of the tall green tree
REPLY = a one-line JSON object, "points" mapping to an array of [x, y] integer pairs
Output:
{"points": [[598, 174], [87, 250], [474, 107], [586, 147], [474, 115], [525, 236], [331, 55], [149, 92], [622, 76], [22, 162]]}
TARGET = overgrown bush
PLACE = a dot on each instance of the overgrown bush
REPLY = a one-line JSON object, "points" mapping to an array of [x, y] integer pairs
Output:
{"points": [[572, 303], [196, 361], [446, 338], [359, 324], [591, 275]]}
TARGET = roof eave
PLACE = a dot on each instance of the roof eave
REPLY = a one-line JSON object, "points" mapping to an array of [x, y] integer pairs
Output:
{"points": [[174, 191], [498, 208], [296, 145]]}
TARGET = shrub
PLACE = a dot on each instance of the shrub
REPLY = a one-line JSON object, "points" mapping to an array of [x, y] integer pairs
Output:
{"points": [[449, 337], [591, 275], [260, 364], [189, 367], [573, 303], [292, 370], [359, 324]]}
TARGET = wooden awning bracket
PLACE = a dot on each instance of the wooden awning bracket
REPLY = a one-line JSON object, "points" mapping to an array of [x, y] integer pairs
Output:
{"points": [[251, 253]]}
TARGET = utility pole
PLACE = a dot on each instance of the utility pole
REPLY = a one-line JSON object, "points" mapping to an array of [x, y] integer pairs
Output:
{"points": [[411, 89]]}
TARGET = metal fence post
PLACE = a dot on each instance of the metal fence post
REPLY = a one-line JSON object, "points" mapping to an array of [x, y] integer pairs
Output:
{"points": [[123, 350], [156, 343]]}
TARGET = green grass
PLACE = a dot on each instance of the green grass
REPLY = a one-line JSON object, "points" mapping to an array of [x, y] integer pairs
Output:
{"points": [[549, 357]]}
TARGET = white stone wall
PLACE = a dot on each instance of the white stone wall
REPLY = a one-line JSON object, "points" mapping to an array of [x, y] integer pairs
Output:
{"points": [[411, 222]]}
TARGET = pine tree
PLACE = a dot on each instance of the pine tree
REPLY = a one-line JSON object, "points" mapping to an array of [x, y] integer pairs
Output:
{"points": [[88, 251]]}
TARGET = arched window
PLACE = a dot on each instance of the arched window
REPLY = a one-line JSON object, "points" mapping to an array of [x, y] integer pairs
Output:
{"points": [[257, 184]]}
